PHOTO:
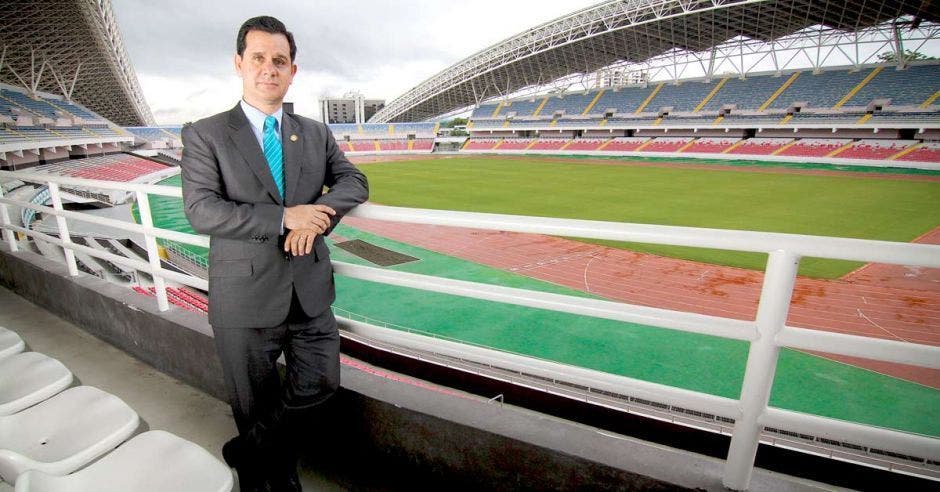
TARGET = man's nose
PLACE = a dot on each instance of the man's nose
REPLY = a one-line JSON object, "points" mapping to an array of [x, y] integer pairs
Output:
{"points": [[268, 67]]}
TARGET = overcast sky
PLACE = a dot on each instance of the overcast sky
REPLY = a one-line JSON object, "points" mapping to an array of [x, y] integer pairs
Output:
{"points": [[182, 50]]}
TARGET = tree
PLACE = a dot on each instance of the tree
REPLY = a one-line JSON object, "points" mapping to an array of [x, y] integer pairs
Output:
{"points": [[454, 122], [890, 56]]}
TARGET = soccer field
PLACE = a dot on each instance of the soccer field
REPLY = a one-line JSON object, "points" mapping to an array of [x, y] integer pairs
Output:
{"points": [[867, 205]]}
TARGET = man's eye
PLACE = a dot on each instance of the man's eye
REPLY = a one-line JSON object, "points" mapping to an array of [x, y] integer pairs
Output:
{"points": [[280, 62]]}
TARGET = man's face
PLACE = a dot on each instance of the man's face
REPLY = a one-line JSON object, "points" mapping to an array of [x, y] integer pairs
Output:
{"points": [[266, 68]]}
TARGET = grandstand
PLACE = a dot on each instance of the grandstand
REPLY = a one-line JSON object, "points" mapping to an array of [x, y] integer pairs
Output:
{"points": [[42, 128], [868, 116], [858, 113], [397, 138]]}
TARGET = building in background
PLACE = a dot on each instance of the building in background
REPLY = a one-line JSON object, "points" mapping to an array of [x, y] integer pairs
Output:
{"points": [[620, 77], [353, 107]]}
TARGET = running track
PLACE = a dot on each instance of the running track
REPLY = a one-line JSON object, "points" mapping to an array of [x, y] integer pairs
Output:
{"points": [[882, 301]]}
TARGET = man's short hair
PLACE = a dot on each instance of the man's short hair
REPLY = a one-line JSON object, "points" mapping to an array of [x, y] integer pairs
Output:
{"points": [[267, 24]]}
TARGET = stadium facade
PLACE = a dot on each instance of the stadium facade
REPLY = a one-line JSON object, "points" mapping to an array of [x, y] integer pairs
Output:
{"points": [[621, 34]]}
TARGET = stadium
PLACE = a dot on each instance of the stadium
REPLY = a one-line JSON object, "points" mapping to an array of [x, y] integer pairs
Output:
{"points": [[680, 244]]}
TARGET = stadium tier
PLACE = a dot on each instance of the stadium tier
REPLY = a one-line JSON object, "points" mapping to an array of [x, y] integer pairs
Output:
{"points": [[116, 167], [550, 144], [842, 96], [666, 144], [625, 144], [874, 149], [710, 145], [841, 148], [928, 152], [50, 129], [760, 146], [38, 107], [154, 133], [399, 145], [381, 131], [14, 101]]}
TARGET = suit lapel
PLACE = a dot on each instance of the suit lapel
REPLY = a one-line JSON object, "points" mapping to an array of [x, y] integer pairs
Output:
{"points": [[243, 137], [293, 154]]}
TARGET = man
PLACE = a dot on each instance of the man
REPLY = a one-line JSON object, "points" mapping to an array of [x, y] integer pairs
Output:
{"points": [[253, 179]]}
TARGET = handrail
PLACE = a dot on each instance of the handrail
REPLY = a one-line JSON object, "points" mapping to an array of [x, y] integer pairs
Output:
{"points": [[766, 334], [866, 250]]}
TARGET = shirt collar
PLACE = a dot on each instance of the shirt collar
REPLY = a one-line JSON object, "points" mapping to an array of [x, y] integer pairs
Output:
{"points": [[256, 117]]}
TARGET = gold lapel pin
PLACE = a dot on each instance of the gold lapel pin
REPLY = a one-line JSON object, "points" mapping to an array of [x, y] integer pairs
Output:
{"points": [[293, 138]]}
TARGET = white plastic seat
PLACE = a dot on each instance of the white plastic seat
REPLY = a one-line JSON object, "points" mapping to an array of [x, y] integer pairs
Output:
{"points": [[155, 461], [10, 343], [64, 433], [29, 378]]}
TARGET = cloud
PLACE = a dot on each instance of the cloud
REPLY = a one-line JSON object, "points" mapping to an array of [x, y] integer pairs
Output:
{"points": [[182, 50]]}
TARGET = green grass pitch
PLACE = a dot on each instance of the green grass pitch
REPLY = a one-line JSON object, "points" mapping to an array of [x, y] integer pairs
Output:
{"points": [[861, 206]]}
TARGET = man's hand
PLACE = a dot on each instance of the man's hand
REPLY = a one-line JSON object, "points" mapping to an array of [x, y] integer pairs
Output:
{"points": [[316, 217], [299, 242]]}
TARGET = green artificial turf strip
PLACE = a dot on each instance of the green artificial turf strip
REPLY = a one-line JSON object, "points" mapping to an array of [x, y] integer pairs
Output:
{"points": [[840, 206], [713, 365], [684, 360]]}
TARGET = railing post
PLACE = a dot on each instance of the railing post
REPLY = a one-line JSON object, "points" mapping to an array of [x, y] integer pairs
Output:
{"points": [[63, 229], [153, 253], [775, 296], [5, 221]]}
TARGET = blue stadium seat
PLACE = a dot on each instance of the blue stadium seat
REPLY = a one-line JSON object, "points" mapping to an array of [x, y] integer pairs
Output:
{"points": [[909, 87], [683, 97], [40, 107], [624, 100], [822, 90], [748, 94]]}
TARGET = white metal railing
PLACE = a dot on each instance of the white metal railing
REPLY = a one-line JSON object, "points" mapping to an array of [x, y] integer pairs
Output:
{"points": [[767, 334]]}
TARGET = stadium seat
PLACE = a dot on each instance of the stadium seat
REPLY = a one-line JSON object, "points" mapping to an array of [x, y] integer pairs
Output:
{"points": [[585, 144], [624, 144], [814, 147], [481, 144], [875, 149], [155, 461], [550, 144], [63, 433], [515, 144], [29, 378], [10, 343], [710, 145], [928, 152], [760, 146], [666, 144]]}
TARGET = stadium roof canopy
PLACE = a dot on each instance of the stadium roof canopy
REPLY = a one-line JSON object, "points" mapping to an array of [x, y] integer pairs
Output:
{"points": [[635, 31], [73, 48]]}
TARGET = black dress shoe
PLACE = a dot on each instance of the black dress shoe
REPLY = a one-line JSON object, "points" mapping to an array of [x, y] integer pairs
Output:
{"points": [[237, 455], [287, 481], [235, 452]]}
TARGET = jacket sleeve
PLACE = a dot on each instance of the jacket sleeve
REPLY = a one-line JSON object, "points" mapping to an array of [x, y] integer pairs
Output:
{"points": [[347, 185], [207, 207]]}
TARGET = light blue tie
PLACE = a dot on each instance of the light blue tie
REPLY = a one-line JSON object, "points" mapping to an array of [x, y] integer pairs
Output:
{"points": [[273, 152]]}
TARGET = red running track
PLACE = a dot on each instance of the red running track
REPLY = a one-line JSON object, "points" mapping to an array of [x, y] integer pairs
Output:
{"points": [[881, 301]]}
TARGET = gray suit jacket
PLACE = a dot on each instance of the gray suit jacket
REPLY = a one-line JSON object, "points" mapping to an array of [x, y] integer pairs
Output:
{"points": [[229, 194]]}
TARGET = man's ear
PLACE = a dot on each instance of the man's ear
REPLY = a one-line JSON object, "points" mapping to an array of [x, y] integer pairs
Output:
{"points": [[238, 64]]}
